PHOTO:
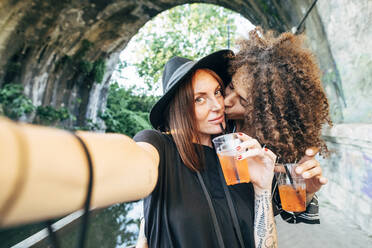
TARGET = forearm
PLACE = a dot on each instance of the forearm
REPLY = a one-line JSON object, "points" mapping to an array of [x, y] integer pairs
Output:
{"points": [[46, 170], [264, 224]]}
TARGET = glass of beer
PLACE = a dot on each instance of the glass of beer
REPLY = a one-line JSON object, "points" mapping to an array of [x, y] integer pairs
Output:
{"points": [[292, 189], [234, 170]]}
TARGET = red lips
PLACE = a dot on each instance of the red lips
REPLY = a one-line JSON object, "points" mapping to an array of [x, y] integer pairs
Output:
{"points": [[217, 120]]}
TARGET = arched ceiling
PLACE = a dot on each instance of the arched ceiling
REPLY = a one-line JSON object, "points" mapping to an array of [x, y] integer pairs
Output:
{"points": [[43, 42]]}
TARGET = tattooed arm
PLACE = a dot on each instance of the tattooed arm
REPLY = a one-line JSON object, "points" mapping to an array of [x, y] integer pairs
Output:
{"points": [[261, 169], [264, 224]]}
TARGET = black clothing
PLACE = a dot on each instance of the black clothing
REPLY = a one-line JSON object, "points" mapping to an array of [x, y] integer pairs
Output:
{"points": [[177, 213]]}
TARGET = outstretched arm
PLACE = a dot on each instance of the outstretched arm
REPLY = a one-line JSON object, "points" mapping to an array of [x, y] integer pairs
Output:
{"points": [[44, 171]]}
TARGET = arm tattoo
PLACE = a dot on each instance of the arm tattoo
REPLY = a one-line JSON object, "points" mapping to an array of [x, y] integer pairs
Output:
{"points": [[264, 225]]}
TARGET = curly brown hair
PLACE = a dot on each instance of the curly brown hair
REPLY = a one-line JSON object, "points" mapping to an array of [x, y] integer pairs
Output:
{"points": [[286, 104]]}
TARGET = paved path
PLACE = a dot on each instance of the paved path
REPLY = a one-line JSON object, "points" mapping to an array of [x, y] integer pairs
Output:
{"points": [[334, 231]]}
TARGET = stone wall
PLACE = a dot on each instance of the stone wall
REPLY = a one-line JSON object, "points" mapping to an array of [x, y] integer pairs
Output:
{"points": [[349, 170], [347, 24]]}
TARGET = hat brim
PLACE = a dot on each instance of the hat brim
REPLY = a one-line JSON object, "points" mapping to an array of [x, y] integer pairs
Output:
{"points": [[216, 62]]}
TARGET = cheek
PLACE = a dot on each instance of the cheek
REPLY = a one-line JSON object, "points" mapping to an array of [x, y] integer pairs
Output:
{"points": [[222, 102], [201, 113]]}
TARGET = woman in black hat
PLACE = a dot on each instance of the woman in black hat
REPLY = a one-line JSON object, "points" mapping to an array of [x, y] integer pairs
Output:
{"points": [[189, 206], [175, 166]]}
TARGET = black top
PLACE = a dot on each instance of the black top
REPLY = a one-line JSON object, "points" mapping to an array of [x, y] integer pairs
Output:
{"points": [[177, 213]]}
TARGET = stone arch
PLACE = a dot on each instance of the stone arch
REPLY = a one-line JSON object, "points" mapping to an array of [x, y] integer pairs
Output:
{"points": [[64, 50]]}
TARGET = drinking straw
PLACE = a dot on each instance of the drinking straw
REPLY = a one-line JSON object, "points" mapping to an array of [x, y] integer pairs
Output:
{"points": [[291, 180], [288, 174], [235, 169], [223, 129]]}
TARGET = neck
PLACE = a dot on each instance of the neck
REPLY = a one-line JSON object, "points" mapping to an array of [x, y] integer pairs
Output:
{"points": [[205, 140], [239, 125]]}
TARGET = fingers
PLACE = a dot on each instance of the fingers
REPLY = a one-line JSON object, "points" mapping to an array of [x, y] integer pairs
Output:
{"points": [[244, 137], [248, 144], [310, 153], [251, 148], [323, 180], [251, 153], [279, 168], [307, 165], [262, 153], [314, 172], [269, 153]]}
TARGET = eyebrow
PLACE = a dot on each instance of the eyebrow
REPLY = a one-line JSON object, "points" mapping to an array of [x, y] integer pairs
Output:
{"points": [[204, 93]]}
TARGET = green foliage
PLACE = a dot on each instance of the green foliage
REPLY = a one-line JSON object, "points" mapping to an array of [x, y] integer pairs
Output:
{"points": [[50, 116], [191, 30], [99, 68], [91, 71], [90, 125], [126, 112], [14, 103], [86, 67], [84, 48]]}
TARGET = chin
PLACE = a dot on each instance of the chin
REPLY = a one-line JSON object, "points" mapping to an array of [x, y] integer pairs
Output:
{"points": [[212, 129], [216, 129]]}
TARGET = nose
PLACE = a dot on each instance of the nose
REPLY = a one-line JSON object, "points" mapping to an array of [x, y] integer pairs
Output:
{"points": [[216, 105], [228, 100]]}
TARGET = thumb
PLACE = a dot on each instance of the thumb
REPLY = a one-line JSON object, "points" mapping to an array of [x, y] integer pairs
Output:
{"points": [[310, 153]]}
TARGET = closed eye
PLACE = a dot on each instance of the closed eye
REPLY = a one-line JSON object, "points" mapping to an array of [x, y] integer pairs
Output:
{"points": [[243, 101]]}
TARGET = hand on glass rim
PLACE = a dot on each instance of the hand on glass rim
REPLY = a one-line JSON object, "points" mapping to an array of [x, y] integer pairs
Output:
{"points": [[261, 161], [309, 168]]}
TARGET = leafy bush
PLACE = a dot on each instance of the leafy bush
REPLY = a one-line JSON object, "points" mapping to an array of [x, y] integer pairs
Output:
{"points": [[13, 102], [48, 115], [127, 112]]}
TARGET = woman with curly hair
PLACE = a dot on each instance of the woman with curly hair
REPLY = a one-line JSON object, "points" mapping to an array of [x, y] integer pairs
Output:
{"points": [[276, 97]]}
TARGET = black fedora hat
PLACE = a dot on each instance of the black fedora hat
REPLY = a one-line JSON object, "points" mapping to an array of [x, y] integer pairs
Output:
{"points": [[176, 70]]}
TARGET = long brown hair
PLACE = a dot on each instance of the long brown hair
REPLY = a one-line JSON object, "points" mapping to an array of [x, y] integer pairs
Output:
{"points": [[183, 126], [286, 105]]}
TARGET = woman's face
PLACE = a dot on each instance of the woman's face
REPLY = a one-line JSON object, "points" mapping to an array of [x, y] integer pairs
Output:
{"points": [[235, 97], [208, 103]]}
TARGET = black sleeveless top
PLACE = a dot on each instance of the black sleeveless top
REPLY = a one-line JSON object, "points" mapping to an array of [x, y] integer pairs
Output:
{"points": [[177, 213]]}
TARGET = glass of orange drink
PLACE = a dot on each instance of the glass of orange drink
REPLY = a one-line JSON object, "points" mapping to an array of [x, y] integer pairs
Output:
{"points": [[234, 171], [292, 189]]}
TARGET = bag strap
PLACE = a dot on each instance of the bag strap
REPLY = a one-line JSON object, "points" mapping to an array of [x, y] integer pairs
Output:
{"points": [[230, 203], [85, 218], [213, 212], [88, 199]]}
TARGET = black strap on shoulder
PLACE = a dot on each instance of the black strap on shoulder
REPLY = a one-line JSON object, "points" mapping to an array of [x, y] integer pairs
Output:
{"points": [[213, 212], [85, 217], [230, 203]]}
